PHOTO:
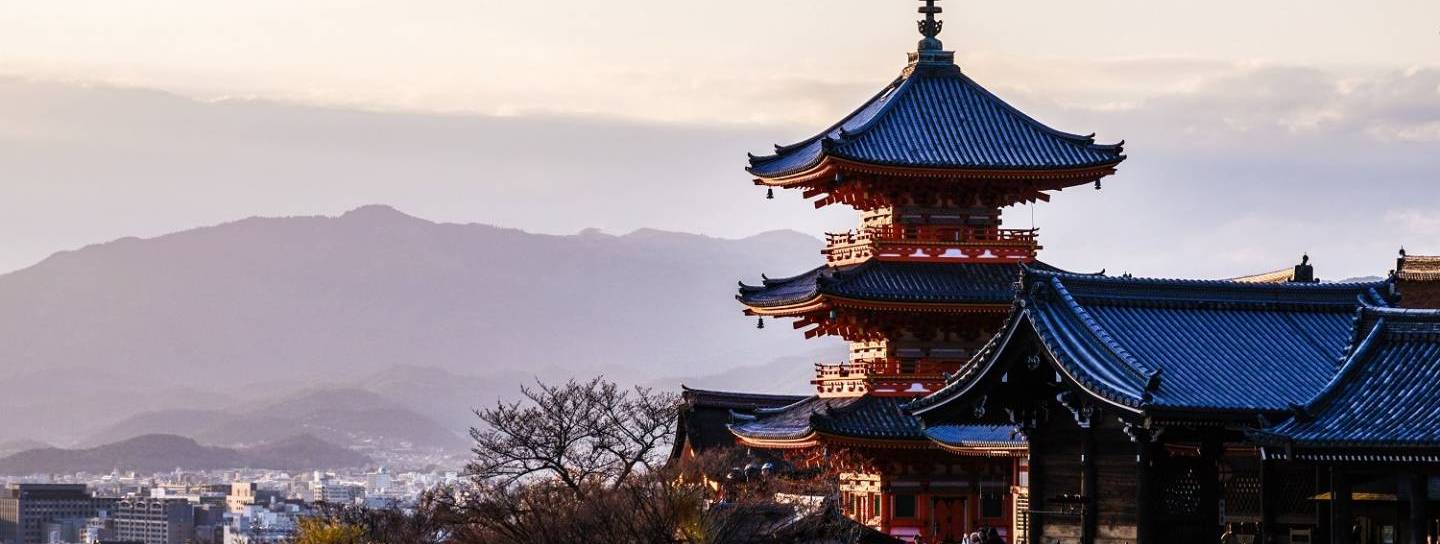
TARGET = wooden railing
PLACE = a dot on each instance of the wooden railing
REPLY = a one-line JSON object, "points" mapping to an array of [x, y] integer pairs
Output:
{"points": [[880, 367], [933, 234], [880, 376]]}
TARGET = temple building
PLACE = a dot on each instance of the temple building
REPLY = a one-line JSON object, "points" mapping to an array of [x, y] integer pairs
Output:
{"points": [[1373, 434], [987, 389], [1160, 411], [927, 277], [1417, 280]]}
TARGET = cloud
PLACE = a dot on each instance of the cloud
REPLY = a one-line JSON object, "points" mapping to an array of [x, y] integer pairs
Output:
{"points": [[1234, 167]]}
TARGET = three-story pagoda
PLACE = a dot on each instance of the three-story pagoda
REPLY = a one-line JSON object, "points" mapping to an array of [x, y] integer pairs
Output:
{"points": [[926, 278]]}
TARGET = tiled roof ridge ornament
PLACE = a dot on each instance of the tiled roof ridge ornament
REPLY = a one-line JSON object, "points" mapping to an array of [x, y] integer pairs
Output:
{"points": [[930, 54], [1304, 272], [930, 27]]}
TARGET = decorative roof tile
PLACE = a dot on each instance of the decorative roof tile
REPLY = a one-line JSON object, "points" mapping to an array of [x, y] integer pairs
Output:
{"points": [[1387, 394], [934, 116]]}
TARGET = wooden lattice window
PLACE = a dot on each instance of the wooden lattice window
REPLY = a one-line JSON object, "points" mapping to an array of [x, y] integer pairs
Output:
{"points": [[1242, 494], [1293, 493], [1181, 492]]}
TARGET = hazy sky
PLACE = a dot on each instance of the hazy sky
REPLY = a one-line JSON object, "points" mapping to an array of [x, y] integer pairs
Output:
{"points": [[1257, 129], [742, 60]]}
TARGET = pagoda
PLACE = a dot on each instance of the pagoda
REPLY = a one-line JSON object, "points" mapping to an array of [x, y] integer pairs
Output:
{"points": [[917, 289]]}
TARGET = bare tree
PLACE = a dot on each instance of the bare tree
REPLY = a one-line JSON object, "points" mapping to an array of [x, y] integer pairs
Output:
{"points": [[633, 426], [580, 434]]}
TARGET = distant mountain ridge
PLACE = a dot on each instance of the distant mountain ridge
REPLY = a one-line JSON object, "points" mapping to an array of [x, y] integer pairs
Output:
{"points": [[219, 318], [338, 415], [164, 452]]}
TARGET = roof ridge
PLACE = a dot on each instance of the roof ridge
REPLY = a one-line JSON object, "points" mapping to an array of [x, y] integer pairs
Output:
{"points": [[1353, 363], [686, 388], [1142, 371], [780, 150], [961, 381], [1198, 282], [900, 92], [781, 409], [1089, 140], [767, 282]]}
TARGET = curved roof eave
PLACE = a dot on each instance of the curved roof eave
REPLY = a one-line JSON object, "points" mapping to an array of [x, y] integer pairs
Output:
{"points": [[1012, 139], [825, 163]]}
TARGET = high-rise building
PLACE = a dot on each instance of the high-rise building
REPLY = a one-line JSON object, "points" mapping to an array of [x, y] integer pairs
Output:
{"points": [[154, 520], [241, 494], [26, 510]]}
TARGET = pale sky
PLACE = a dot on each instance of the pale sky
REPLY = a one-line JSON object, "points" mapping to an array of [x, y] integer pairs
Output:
{"points": [[658, 60], [1313, 123]]}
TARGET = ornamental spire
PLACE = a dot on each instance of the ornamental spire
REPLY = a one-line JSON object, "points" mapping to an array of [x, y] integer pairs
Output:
{"points": [[930, 27]]}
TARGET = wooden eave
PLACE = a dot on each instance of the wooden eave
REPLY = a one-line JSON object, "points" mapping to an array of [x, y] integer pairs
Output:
{"points": [[984, 451], [807, 441], [824, 302], [825, 170], [877, 443]]}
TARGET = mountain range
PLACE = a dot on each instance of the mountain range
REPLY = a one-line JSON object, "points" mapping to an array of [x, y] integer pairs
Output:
{"points": [[163, 452], [373, 326]]}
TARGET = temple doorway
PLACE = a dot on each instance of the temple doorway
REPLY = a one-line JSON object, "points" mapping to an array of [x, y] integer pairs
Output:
{"points": [[949, 522]]}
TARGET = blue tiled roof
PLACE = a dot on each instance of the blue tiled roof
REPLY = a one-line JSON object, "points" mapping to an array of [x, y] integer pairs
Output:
{"points": [[704, 415], [1182, 344], [1386, 395], [937, 117], [976, 436], [889, 281], [856, 417]]}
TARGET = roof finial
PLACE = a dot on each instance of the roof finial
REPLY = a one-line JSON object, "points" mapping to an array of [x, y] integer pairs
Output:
{"points": [[930, 27]]}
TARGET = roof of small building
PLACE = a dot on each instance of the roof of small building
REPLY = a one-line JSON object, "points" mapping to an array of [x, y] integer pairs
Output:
{"points": [[894, 281], [1180, 345], [1386, 395], [976, 436], [1277, 276], [868, 417], [934, 116], [1418, 268], [705, 415]]}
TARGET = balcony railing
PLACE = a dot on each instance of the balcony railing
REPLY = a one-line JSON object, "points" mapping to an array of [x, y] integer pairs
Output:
{"points": [[929, 241], [893, 375], [933, 234]]}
